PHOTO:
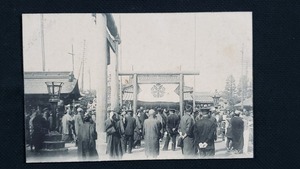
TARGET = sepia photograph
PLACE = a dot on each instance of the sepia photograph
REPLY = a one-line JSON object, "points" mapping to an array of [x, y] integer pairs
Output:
{"points": [[137, 86]]}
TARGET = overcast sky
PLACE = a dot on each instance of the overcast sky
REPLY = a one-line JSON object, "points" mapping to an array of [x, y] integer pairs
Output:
{"points": [[150, 42]]}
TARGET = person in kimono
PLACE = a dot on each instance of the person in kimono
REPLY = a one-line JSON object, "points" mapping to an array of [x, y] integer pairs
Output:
{"points": [[151, 132], [114, 131], [66, 125], [78, 121], [87, 137]]}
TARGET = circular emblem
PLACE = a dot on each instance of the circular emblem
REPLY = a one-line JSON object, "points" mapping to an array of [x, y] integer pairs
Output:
{"points": [[158, 90]]}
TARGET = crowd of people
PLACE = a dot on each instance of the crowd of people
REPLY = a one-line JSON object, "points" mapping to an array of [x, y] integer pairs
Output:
{"points": [[76, 124], [195, 132]]}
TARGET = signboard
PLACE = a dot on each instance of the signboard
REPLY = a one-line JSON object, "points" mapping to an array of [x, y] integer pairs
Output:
{"points": [[167, 79], [158, 92]]}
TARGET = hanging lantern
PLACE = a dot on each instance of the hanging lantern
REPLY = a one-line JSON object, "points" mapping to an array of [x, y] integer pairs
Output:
{"points": [[54, 89]]}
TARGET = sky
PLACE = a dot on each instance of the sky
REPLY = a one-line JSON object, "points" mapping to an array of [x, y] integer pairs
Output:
{"points": [[212, 44]]}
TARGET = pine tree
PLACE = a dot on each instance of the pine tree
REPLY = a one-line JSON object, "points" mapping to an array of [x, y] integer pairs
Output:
{"points": [[230, 92]]}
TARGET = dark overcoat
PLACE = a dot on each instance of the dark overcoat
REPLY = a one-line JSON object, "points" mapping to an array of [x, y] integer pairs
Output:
{"points": [[87, 136], [237, 128], [130, 124], [204, 132], [186, 127], [173, 121], [114, 131]]}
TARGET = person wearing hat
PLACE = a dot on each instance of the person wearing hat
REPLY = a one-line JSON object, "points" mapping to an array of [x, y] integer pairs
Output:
{"points": [[237, 128], [114, 132], [214, 120], [87, 137], [130, 125], [186, 132], [172, 125], [204, 134], [151, 132]]}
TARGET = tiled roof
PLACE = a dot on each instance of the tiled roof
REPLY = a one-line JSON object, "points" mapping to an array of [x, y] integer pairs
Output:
{"points": [[34, 82], [247, 102], [204, 97]]}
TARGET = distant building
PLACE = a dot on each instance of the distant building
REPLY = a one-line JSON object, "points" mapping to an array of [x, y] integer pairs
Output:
{"points": [[204, 99], [35, 89], [201, 99]]}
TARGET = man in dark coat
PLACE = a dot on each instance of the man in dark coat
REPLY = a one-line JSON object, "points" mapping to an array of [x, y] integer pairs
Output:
{"points": [[137, 132], [214, 120], [143, 116], [122, 125], [40, 128], [130, 124], [237, 128], [173, 121], [186, 129], [204, 134], [151, 132], [114, 131], [87, 136]]}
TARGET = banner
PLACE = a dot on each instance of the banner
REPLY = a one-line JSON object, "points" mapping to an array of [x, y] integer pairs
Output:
{"points": [[158, 93]]}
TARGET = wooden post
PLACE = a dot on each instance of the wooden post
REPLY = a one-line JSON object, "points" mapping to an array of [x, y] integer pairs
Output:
{"points": [[181, 94], [134, 94]]}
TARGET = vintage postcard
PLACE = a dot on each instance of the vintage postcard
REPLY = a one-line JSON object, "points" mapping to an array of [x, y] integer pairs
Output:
{"points": [[113, 86]]}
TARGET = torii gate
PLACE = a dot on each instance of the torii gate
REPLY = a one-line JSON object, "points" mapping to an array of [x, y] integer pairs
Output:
{"points": [[107, 38], [157, 77]]}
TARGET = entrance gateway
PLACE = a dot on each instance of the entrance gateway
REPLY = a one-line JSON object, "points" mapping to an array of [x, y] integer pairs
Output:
{"points": [[157, 78]]}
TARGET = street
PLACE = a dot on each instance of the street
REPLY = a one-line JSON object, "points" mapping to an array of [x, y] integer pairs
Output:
{"points": [[137, 154]]}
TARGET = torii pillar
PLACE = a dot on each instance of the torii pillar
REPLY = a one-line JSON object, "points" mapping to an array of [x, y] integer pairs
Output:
{"points": [[114, 104], [101, 69]]}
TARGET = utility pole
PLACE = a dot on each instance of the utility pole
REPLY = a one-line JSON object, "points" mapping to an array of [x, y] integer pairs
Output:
{"points": [[72, 53], [90, 88], [195, 46], [43, 42], [83, 60], [242, 79]]}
